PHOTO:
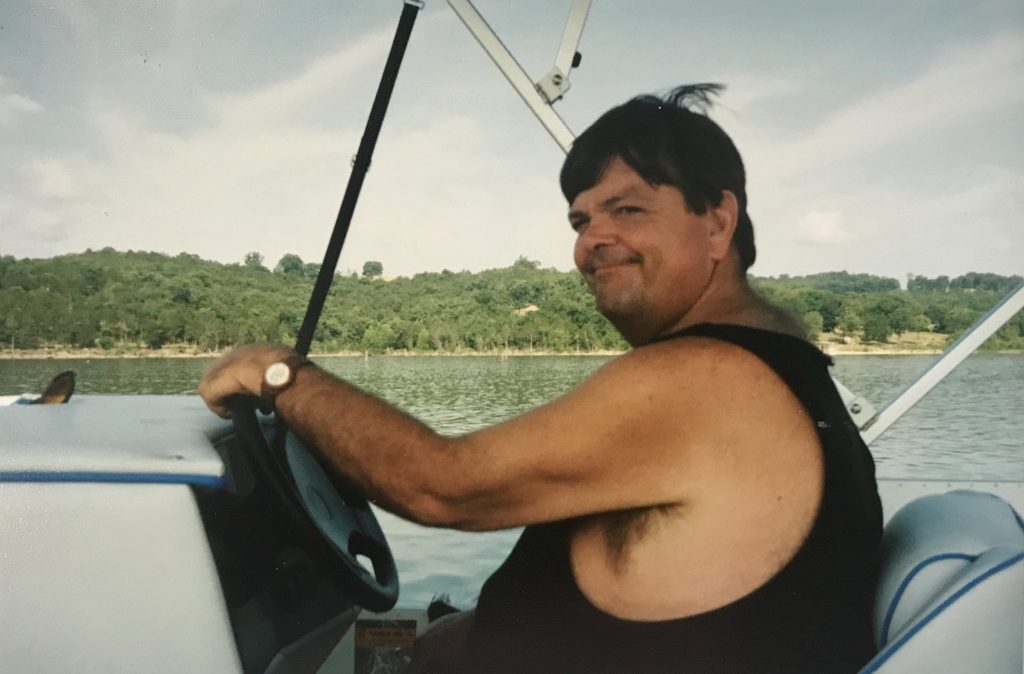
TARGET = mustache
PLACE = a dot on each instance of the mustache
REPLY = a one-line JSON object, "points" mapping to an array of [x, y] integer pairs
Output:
{"points": [[609, 257]]}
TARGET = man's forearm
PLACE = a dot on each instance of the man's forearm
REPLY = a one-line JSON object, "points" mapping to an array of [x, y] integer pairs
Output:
{"points": [[398, 461]]}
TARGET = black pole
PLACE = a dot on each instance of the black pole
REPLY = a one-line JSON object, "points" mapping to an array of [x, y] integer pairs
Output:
{"points": [[360, 165]]}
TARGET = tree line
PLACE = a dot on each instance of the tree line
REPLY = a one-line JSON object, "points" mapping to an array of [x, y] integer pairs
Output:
{"points": [[113, 300]]}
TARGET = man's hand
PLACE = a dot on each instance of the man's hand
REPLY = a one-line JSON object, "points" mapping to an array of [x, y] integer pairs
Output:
{"points": [[238, 372]]}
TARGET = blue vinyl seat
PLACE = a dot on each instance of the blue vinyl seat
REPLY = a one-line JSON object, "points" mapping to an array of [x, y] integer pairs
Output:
{"points": [[951, 591]]}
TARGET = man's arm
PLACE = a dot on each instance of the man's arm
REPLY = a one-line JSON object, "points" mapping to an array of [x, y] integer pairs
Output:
{"points": [[649, 428]]}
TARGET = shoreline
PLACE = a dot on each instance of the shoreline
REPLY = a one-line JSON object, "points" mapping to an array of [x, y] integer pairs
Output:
{"points": [[142, 354], [465, 354], [831, 347]]}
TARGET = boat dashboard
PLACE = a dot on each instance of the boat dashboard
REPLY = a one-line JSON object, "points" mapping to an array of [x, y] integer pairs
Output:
{"points": [[141, 526]]}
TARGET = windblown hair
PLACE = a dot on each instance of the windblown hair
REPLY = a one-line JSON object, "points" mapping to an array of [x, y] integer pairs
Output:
{"points": [[668, 140]]}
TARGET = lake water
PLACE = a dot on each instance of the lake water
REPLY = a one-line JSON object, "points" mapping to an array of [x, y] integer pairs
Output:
{"points": [[970, 427]]}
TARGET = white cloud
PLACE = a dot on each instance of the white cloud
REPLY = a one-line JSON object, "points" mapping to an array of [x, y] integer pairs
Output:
{"points": [[906, 176], [14, 106], [823, 228], [974, 226], [963, 87], [744, 90], [325, 77], [949, 226], [52, 179], [30, 224]]}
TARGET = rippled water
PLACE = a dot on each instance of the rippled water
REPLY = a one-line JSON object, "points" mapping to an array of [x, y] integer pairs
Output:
{"points": [[970, 427]]}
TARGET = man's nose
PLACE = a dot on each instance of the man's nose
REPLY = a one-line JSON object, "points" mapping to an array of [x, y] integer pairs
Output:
{"points": [[600, 231]]}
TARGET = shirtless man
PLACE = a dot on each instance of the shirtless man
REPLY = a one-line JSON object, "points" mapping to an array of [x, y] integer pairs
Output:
{"points": [[701, 503]]}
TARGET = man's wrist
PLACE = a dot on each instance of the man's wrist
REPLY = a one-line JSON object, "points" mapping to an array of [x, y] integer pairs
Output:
{"points": [[278, 377]]}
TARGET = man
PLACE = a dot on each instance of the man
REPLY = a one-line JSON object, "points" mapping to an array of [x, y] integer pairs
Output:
{"points": [[702, 503]]}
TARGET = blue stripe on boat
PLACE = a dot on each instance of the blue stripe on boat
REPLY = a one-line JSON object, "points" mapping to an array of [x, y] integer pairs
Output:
{"points": [[895, 646], [129, 478]]}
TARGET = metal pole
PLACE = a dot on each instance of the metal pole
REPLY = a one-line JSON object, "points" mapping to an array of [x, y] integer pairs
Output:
{"points": [[984, 328], [513, 72], [571, 36], [555, 84], [360, 165]]}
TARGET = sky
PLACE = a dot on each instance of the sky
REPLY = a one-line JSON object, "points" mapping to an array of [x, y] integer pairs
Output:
{"points": [[879, 137]]}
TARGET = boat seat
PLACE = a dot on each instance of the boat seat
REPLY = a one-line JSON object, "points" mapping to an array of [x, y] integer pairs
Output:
{"points": [[951, 590]]}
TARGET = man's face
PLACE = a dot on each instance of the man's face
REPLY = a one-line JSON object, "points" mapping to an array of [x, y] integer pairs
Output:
{"points": [[645, 256]]}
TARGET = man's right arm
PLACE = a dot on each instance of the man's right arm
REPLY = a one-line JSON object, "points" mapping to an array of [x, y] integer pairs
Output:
{"points": [[646, 429]]}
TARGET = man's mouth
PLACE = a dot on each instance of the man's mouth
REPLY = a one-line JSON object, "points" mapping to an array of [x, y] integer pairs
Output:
{"points": [[602, 259]]}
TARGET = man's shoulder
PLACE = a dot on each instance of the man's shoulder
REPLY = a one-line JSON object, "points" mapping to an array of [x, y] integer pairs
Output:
{"points": [[725, 376], [724, 379], [720, 347]]}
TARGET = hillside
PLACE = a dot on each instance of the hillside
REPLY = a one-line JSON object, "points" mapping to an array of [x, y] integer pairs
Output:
{"points": [[116, 301]]}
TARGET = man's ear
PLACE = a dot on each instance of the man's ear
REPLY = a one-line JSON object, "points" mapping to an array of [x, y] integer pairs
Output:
{"points": [[724, 217]]}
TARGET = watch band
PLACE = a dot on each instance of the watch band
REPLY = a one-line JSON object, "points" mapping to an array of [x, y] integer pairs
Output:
{"points": [[270, 390]]}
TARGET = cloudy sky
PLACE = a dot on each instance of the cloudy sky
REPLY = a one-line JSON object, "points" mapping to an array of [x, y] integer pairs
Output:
{"points": [[880, 137]]}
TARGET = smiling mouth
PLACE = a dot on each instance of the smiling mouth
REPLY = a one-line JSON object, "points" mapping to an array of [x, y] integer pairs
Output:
{"points": [[604, 269], [606, 262]]}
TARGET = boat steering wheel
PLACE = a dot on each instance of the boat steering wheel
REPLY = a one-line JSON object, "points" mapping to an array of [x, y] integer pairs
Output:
{"points": [[341, 518]]}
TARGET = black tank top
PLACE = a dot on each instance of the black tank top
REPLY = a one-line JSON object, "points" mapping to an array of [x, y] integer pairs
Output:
{"points": [[813, 616]]}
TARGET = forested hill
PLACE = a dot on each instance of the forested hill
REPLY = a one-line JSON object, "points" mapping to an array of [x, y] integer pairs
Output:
{"points": [[113, 300]]}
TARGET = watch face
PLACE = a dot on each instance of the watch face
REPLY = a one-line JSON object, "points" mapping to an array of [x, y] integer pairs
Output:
{"points": [[277, 374]]}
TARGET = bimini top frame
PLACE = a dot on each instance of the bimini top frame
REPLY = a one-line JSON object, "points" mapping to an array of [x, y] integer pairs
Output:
{"points": [[984, 328], [540, 97]]}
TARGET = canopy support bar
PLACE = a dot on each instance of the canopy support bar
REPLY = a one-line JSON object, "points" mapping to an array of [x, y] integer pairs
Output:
{"points": [[984, 328], [554, 85], [514, 72]]}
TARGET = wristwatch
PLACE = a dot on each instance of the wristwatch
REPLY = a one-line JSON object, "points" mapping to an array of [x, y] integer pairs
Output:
{"points": [[279, 376]]}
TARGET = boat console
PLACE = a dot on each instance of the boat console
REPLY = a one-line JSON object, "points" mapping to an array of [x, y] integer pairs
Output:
{"points": [[139, 536]]}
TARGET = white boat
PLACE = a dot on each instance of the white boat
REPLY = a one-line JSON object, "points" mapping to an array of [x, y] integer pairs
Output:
{"points": [[137, 536]]}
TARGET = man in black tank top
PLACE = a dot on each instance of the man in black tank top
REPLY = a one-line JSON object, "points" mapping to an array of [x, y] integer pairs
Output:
{"points": [[702, 503]]}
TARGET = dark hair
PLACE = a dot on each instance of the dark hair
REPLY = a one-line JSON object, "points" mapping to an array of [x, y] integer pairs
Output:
{"points": [[668, 140]]}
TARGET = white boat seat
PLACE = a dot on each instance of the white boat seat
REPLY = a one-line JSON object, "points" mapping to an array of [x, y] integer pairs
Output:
{"points": [[951, 590]]}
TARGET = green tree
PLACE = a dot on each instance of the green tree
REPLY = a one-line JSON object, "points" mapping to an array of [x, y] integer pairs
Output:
{"points": [[813, 324], [523, 262], [921, 323], [850, 321], [254, 260], [378, 337], [979, 281], [960, 318], [290, 263], [423, 341], [899, 309], [372, 269], [876, 325], [922, 284]]}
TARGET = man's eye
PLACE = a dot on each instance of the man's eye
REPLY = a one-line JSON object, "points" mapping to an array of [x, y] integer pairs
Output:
{"points": [[577, 225], [629, 210]]}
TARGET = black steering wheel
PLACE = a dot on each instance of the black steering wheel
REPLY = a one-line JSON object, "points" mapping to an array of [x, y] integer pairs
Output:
{"points": [[342, 518]]}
